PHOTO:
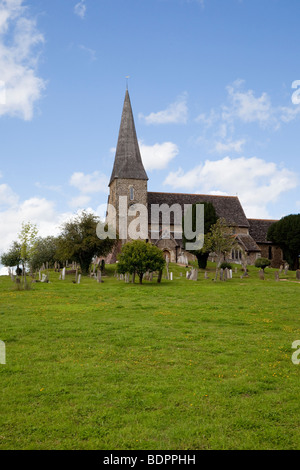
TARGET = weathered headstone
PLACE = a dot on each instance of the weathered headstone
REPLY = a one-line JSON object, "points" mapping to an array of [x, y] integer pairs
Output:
{"points": [[99, 276], [286, 268], [79, 279], [63, 274], [205, 275], [44, 278], [221, 274], [280, 269], [171, 276], [261, 275], [276, 276], [230, 273]]}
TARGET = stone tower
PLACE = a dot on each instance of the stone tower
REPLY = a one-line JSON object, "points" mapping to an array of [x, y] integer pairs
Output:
{"points": [[128, 176]]}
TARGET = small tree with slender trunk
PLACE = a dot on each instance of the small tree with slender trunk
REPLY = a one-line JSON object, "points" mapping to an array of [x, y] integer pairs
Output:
{"points": [[138, 257], [220, 240]]}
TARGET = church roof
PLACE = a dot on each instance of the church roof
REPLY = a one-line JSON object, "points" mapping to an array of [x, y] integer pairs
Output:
{"points": [[259, 228], [128, 162], [228, 207], [248, 243]]}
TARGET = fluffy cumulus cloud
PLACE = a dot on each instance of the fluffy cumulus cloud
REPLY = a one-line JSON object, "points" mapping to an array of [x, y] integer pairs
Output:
{"points": [[175, 113], [89, 183], [256, 182], [20, 86], [158, 156]]}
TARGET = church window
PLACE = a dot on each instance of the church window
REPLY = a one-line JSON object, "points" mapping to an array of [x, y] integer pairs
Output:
{"points": [[131, 193]]}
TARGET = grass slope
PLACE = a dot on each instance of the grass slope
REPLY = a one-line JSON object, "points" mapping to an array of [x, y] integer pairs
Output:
{"points": [[180, 365]]}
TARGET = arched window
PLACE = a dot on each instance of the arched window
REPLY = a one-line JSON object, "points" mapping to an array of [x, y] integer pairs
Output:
{"points": [[131, 193]]}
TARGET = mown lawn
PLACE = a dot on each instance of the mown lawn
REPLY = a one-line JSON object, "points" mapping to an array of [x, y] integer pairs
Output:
{"points": [[178, 365]]}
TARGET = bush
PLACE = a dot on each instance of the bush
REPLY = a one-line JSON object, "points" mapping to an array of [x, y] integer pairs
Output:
{"points": [[225, 265], [262, 263]]}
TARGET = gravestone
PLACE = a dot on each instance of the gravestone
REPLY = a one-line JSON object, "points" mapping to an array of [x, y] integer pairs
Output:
{"points": [[298, 274], [226, 274], [276, 276], [221, 274], [188, 274], [63, 274], [286, 268], [44, 278], [261, 275], [235, 270], [171, 276], [79, 279], [99, 276], [280, 269], [205, 275], [230, 273]]}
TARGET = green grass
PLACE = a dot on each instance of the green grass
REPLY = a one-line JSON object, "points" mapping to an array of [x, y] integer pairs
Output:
{"points": [[180, 365]]}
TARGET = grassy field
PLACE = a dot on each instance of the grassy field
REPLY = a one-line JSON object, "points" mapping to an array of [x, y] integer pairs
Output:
{"points": [[177, 365]]}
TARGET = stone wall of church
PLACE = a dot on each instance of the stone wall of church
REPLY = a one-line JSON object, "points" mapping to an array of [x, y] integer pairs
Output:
{"points": [[275, 252]]}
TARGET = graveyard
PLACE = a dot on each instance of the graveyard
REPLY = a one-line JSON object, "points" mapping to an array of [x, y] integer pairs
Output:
{"points": [[187, 363]]}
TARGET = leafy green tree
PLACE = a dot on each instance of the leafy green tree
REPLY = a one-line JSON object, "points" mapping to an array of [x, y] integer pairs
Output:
{"points": [[45, 252], [286, 234], [79, 241], [220, 240], [262, 263], [28, 240], [210, 218], [138, 257], [13, 256]]}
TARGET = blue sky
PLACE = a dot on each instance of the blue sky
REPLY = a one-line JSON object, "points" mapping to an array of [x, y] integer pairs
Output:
{"points": [[211, 90]]}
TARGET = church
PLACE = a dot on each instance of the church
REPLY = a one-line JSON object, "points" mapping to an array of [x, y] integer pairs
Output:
{"points": [[130, 179]]}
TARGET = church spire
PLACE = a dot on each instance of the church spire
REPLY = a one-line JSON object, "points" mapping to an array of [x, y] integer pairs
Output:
{"points": [[128, 162]]}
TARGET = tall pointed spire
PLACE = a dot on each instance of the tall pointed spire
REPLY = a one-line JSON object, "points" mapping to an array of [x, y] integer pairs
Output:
{"points": [[128, 162]]}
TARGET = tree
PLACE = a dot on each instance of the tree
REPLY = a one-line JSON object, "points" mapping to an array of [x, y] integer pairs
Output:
{"points": [[28, 239], [286, 234], [13, 256], [262, 263], [220, 240], [79, 241], [45, 252], [138, 257], [210, 218]]}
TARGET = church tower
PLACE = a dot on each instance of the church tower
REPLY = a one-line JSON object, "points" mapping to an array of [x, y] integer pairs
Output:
{"points": [[128, 176]]}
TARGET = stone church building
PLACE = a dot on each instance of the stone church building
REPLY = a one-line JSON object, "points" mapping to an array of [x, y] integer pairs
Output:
{"points": [[130, 179]]}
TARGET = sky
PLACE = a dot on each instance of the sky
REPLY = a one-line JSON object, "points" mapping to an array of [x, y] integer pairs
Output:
{"points": [[214, 87]]}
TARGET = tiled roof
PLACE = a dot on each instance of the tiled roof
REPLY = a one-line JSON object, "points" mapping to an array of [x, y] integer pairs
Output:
{"points": [[248, 242], [228, 207], [259, 228]]}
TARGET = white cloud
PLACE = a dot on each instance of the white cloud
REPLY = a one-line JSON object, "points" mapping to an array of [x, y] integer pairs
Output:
{"points": [[256, 182], [19, 38], [158, 156], [80, 9], [230, 146], [175, 113], [87, 184], [79, 201]]}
